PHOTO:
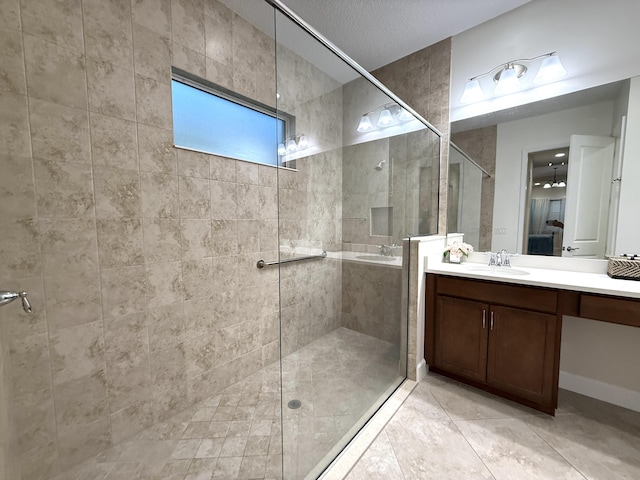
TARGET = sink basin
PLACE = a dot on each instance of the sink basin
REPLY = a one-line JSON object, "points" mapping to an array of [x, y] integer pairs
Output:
{"points": [[499, 270], [377, 258]]}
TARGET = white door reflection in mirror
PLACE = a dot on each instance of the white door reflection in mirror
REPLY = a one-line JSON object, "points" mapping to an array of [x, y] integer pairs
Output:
{"points": [[588, 188]]}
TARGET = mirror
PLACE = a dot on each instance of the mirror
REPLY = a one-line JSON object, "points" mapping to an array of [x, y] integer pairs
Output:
{"points": [[508, 141]]}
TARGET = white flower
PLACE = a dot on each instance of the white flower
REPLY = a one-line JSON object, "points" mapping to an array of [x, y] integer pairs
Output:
{"points": [[458, 248]]}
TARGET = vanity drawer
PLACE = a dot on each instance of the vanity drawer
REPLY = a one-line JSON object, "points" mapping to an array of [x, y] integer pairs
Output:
{"points": [[531, 298], [623, 311]]}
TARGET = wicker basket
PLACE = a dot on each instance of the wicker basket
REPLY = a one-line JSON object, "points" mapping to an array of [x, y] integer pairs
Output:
{"points": [[626, 268]]}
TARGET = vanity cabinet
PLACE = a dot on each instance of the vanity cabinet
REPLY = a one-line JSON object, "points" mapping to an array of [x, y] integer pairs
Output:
{"points": [[503, 338]]}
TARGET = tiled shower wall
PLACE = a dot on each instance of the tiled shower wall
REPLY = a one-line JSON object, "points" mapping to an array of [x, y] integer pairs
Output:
{"points": [[139, 258], [480, 144], [422, 80]]}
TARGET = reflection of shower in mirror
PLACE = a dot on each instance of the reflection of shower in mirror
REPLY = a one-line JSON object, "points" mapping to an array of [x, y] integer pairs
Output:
{"points": [[381, 164]]}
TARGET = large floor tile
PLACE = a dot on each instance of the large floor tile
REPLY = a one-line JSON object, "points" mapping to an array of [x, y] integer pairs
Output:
{"points": [[599, 449], [378, 463], [510, 449]]}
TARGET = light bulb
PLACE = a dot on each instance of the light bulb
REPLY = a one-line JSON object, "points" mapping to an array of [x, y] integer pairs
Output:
{"points": [[508, 82], [472, 92], [562, 184], [547, 185], [550, 70], [291, 145], [385, 118], [281, 149], [303, 142], [365, 124]]}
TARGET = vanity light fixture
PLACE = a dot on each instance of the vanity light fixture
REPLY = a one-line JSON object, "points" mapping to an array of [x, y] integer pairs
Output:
{"points": [[292, 144], [385, 116], [507, 77]]}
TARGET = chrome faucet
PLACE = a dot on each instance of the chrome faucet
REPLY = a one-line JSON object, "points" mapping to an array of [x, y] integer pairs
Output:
{"points": [[387, 250], [8, 297], [499, 259]]}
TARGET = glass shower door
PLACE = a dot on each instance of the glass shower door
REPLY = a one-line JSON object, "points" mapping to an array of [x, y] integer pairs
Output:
{"points": [[345, 203]]}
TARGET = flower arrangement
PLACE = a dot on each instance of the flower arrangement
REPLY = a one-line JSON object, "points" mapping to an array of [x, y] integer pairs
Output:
{"points": [[456, 250]]}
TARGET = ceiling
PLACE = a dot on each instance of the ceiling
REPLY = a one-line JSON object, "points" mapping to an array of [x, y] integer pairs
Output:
{"points": [[377, 32]]}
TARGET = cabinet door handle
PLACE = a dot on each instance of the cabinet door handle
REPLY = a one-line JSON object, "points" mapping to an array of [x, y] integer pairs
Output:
{"points": [[484, 318], [491, 327]]}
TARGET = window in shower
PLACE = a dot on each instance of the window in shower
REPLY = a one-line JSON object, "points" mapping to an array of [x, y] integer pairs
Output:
{"points": [[212, 119]]}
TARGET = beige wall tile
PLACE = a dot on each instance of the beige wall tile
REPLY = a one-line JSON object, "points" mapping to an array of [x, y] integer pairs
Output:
{"points": [[114, 142], [224, 200], [56, 21], [83, 442], [54, 73], [30, 365], [123, 290], [120, 242], [168, 368], [80, 402], [41, 462], [195, 197], [167, 324], [223, 169], [152, 53], [12, 76], [14, 125], [153, 102], [189, 60], [117, 193], [187, 23], [10, 14], [35, 422], [249, 233], [128, 382], [68, 245], [77, 351], [159, 195], [126, 339], [164, 283], [111, 89], [162, 239], [107, 31], [132, 419], [219, 74], [16, 187], [66, 306], [20, 249], [197, 277], [218, 28], [155, 149], [196, 238], [64, 189], [224, 237], [198, 316], [193, 164], [59, 132], [153, 14]]}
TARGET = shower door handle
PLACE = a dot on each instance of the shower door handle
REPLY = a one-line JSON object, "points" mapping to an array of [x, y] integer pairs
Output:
{"points": [[8, 297]]}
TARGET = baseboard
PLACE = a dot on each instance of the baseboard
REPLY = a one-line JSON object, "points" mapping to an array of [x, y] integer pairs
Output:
{"points": [[421, 370], [620, 396]]}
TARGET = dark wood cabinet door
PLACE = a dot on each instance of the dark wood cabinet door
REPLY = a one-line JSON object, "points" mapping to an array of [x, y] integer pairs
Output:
{"points": [[461, 337], [521, 353]]}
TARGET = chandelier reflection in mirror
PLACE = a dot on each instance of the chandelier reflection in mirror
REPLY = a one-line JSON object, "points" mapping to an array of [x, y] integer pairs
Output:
{"points": [[507, 77], [384, 116]]}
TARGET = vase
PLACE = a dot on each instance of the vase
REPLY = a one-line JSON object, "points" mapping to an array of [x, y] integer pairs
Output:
{"points": [[455, 258]]}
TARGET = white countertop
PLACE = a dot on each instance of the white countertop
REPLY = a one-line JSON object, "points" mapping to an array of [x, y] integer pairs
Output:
{"points": [[541, 277], [369, 258]]}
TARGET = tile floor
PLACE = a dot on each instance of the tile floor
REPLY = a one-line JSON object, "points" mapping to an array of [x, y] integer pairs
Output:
{"points": [[446, 430], [237, 434]]}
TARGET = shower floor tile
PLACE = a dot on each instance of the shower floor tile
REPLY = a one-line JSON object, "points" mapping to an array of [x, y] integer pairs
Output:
{"points": [[237, 433]]}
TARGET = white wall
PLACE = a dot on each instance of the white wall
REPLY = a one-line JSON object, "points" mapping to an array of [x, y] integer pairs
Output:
{"points": [[628, 233], [597, 42], [515, 140]]}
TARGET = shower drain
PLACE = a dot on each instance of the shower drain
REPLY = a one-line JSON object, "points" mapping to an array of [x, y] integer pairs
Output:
{"points": [[293, 404]]}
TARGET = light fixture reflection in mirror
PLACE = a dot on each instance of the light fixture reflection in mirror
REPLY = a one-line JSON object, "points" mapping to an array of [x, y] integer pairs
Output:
{"points": [[507, 77], [387, 115]]}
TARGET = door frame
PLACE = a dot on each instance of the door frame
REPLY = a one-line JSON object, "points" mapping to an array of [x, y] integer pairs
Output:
{"points": [[525, 187]]}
